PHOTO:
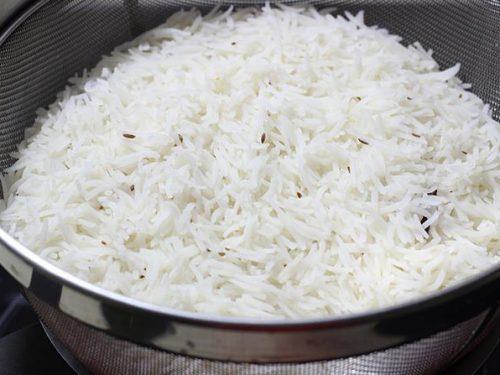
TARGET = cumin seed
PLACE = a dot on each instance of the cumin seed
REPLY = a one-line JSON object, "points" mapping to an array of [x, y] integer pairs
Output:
{"points": [[263, 138], [129, 136], [364, 142]]}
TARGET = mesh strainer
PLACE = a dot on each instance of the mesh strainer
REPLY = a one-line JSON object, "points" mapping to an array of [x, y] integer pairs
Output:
{"points": [[52, 40]]}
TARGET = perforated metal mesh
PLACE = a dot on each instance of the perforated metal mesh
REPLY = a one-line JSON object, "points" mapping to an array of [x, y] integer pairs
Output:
{"points": [[63, 37], [104, 354]]}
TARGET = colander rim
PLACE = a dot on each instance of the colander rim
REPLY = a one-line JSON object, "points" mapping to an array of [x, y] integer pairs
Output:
{"points": [[412, 305], [65, 278]]}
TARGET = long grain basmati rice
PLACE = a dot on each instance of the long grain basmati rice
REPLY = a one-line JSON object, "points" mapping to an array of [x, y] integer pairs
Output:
{"points": [[270, 163]]}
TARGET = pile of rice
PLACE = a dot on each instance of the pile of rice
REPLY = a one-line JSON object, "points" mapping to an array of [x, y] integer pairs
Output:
{"points": [[269, 163]]}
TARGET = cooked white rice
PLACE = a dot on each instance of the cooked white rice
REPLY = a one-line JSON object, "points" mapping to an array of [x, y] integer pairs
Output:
{"points": [[271, 163]]}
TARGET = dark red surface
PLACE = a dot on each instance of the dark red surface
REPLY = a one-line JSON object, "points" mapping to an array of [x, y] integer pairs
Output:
{"points": [[24, 347]]}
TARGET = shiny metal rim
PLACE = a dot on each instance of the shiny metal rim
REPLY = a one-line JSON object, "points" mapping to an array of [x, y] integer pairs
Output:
{"points": [[33, 260], [107, 310]]}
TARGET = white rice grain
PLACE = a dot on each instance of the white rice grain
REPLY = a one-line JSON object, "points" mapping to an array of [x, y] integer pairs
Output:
{"points": [[270, 163]]}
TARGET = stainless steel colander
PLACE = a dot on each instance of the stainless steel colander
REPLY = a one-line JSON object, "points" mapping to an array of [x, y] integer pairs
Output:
{"points": [[43, 43]]}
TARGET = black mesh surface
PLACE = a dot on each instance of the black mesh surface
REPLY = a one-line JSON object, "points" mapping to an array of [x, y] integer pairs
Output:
{"points": [[103, 354]]}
